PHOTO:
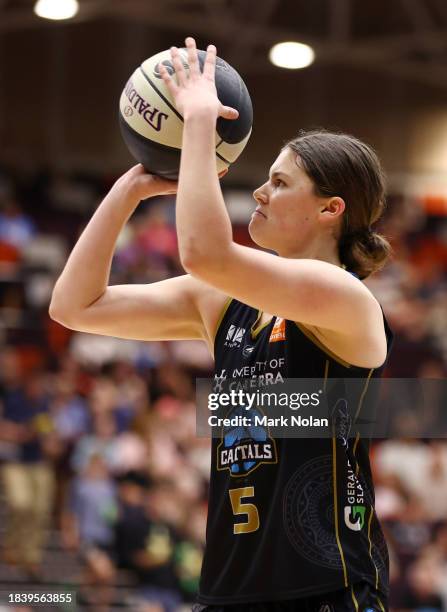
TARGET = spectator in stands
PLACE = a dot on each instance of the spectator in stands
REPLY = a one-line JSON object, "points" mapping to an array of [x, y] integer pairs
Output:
{"points": [[69, 410], [16, 228], [423, 592], [88, 526], [402, 459], [145, 541], [131, 394], [70, 415], [102, 441], [189, 550], [27, 473]]}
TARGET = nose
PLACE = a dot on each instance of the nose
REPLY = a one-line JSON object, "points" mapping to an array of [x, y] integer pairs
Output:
{"points": [[260, 195]]}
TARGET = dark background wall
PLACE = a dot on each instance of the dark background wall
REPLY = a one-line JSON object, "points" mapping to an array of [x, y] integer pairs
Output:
{"points": [[376, 74]]}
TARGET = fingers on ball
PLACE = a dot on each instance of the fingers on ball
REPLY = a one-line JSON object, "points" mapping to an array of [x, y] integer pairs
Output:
{"points": [[167, 77], [178, 65], [193, 59]]}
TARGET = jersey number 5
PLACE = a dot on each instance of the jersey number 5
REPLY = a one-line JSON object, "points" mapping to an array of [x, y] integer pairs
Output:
{"points": [[252, 523]]}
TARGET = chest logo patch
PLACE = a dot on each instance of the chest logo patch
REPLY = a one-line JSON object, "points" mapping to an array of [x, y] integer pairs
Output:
{"points": [[244, 446], [278, 330], [234, 336], [247, 350]]}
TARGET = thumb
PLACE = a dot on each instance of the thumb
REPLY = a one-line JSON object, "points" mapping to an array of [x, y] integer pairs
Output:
{"points": [[228, 113]]}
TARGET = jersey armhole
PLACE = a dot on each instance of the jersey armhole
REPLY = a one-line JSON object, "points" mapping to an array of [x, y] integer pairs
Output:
{"points": [[310, 336], [220, 319], [388, 335]]}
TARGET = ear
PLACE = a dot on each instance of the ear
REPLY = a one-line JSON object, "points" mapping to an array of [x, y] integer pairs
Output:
{"points": [[332, 208]]}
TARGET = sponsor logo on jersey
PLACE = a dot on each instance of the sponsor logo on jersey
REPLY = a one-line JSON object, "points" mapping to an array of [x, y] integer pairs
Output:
{"points": [[355, 508], [247, 350], [219, 381], [342, 421], [355, 517], [244, 448], [326, 608], [278, 331], [369, 610], [235, 336]]}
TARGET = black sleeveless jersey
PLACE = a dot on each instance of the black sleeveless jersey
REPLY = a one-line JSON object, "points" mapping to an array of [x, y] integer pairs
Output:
{"points": [[297, 517]]}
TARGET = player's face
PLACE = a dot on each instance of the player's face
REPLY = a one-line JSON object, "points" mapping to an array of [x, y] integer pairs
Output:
{"points": [[287, 214]]}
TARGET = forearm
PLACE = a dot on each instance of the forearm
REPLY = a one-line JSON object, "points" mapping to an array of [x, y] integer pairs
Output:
{"points": [[203, 226], [86, 273]]}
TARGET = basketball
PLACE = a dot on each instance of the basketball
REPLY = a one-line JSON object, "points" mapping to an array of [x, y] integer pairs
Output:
{"points": [[152, 127]]}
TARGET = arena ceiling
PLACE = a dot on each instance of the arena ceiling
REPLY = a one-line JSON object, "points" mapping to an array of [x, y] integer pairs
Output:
{"points": [[402, 38], [380, 73]]}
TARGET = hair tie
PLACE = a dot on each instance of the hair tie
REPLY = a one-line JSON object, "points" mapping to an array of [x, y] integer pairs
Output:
{"points": [[362, 235]]}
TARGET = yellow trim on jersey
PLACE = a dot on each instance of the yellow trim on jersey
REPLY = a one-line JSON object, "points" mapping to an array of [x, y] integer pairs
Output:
{"points": [[337, 536], [380, 603], [326, 372], [312, 337], [221, 316], [359, 407], [254, 332], [370, 545], [357, 467], [362, 397], [357, 438], [354, 599]]}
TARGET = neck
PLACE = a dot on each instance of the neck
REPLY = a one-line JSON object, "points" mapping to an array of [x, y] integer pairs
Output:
{"points": [[327, 251]]}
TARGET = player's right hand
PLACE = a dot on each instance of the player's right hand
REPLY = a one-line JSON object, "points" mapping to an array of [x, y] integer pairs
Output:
{"points": [[139, 184]]}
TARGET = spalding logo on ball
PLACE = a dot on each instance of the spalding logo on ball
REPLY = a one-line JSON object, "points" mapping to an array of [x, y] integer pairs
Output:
{"points": [[152, 127]]}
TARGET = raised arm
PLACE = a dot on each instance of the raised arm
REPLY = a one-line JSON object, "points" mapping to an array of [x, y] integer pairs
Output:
{"points": [[177, 308], [305, 289]]}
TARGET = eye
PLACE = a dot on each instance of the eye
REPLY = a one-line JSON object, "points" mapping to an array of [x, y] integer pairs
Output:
{"points": [[278, 183]]}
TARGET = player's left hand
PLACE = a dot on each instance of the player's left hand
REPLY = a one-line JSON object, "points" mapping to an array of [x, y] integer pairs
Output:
{"points": [[195, 94]]}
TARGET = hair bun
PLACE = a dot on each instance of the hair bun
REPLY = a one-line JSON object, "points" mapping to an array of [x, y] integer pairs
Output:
{"points": [[367, 236], [372, 240], [364, 251], [363, 236]]}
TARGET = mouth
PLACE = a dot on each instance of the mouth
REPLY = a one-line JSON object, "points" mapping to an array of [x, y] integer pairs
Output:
{"points": [[259, 212]]}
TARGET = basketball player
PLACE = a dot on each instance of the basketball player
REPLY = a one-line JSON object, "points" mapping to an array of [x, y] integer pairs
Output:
{"points": [[295, 529]]}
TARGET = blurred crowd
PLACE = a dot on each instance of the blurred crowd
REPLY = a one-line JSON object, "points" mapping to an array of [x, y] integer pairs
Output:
{"points": [[97, 435]]}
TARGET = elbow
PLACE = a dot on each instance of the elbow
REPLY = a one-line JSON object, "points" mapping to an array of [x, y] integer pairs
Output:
{"points": [[204, 266], [59, 313], [53, 309], [56, 305], [192, 257], [206, 257], [191, 262], [55, 313]]}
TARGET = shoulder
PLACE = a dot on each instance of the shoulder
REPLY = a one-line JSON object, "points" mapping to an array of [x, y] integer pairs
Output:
{"points": [[364, 342]]}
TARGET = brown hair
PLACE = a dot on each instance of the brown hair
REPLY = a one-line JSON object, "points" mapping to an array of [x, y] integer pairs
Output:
{"points": [[341, 165]]}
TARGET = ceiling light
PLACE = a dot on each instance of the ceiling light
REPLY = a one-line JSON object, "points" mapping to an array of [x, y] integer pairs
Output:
{"points": [[56, 9], [291, 55]]}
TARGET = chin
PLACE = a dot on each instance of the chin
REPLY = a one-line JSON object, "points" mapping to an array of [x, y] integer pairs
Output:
{"points": [[259, 237]]}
